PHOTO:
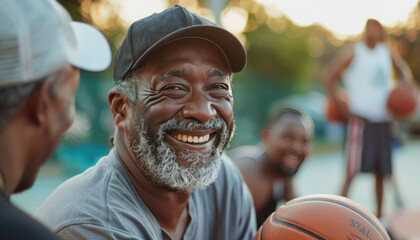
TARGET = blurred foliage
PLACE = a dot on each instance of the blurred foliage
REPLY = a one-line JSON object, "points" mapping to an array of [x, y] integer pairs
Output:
{"points": [[283, 60], [407, 39], [73, 7]]}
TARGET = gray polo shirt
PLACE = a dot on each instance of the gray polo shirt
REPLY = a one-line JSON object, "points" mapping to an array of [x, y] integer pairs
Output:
{"points": [[101, 203]]}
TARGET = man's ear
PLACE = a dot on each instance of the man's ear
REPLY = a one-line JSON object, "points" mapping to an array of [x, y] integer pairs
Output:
{"points": [[119, 106], [266, 136], [36, 105]]}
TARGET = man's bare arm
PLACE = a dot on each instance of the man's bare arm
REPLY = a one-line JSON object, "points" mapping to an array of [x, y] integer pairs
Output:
{"points": [[401, 67], [333, 72]]}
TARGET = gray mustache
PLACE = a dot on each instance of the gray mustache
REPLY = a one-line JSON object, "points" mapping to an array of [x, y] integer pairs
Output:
{"points": [[216, 124]]}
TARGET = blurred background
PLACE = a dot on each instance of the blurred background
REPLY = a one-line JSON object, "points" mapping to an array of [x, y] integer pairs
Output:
{"points": [[288, 42]]}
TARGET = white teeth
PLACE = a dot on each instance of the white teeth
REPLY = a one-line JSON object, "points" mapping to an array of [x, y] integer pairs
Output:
{"points": [[292, 156], [193, 139]]}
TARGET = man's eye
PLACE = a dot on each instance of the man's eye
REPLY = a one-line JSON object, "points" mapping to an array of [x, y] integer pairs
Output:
{"points": [[173, 88], [287, 137], [174, 91], [220, 86], [218, 90]]}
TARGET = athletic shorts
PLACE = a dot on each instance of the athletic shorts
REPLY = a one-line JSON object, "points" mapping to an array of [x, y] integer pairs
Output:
{"points": [[368, 147]]}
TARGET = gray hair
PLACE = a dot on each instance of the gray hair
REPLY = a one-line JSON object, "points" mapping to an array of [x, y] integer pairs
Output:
{"points": [[11, 100], [128, 86], [13, 97]]}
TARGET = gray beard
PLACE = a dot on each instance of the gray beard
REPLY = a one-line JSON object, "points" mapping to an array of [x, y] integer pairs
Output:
{"points": [[157, 160]]}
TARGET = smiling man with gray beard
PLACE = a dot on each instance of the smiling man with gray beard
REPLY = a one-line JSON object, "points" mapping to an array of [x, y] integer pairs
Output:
{"points": [[166, 176], [157, 160]]}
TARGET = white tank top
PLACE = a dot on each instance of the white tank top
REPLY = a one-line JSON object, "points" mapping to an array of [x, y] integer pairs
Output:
{"points": [[368, 81]]}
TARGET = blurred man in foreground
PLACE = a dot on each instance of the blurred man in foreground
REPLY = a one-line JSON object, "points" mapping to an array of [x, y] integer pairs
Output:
{"points": [[172, 106], [287, 141], [41, 52]]}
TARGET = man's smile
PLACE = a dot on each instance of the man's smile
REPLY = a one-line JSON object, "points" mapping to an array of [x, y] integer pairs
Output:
{"points": [[192, 140], [292, 161]]}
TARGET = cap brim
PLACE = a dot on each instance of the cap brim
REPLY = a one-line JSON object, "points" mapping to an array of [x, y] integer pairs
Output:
{"points": [[93, 52], [227, 42]]}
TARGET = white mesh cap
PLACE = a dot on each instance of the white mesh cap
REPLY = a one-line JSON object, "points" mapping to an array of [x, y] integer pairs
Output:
{"points": [[37, 38]]}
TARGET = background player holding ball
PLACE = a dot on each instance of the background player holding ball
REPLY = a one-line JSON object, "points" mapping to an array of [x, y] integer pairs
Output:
{"points": [[365, 69]]}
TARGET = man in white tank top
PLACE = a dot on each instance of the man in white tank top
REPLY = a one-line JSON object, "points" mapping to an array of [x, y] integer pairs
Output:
{"points": [[365, 69]]}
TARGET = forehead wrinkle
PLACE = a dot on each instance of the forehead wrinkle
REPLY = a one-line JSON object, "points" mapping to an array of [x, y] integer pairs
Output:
{"points": [[174, 73], [214, 72]]}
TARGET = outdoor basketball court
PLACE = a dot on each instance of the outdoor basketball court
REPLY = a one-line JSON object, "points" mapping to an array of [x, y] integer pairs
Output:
{"points": [[324, 173]]}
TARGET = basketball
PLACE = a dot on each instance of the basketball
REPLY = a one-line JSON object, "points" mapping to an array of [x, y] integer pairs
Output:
{"points": [[322, 216], [333, 112], [402, 101]]}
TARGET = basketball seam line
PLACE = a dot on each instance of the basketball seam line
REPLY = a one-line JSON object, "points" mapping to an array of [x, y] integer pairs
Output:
{"points": [[261, 236], [358, 212], [298, 228]]}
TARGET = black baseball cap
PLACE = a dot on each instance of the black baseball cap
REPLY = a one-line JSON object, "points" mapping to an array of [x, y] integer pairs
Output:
{"points": [[176, 22]]}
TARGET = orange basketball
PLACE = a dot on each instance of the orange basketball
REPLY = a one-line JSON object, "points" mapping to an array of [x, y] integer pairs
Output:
{"points": [[333, 112], [402, 101], [321, 216]]}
